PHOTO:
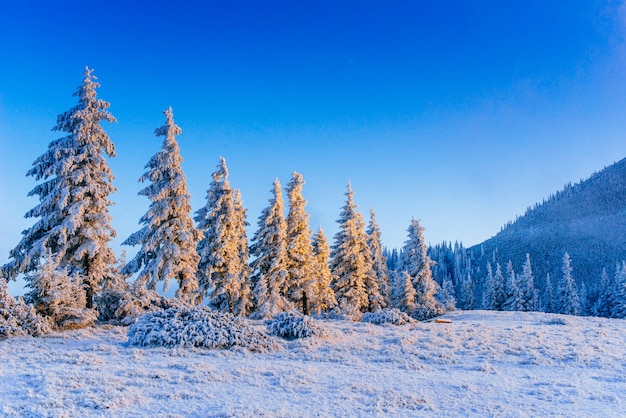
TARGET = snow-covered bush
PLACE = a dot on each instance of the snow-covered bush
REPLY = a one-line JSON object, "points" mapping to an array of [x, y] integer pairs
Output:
{"points": [[387, 316], [125, 307], [425, 311], [291, 325], [17, 318], [196, 327]]}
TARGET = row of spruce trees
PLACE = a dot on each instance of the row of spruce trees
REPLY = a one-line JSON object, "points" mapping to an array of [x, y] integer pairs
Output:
{"points": [[70, 269], [494, 286]]}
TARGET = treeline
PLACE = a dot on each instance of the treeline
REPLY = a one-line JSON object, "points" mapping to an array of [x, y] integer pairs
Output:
{"points": [[506, 287], [74, 277]]}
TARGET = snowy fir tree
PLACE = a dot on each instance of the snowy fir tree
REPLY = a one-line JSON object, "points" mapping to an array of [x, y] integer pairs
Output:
{"points": [[602, 306], [403, 293], [379, 261], [549, 303], [323, 299], [466, 299], [416, 262], [512, 293], [618, 299], [351, 260], [527, 299], [489, 289], [300, 262], [74, 224], [498, 293], [222, 270], [168, 238], [269, 267], [567, 295], [447, 294]]}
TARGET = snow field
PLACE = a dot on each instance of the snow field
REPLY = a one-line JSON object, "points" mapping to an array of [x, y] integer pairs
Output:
{"points": [[483, 364]]}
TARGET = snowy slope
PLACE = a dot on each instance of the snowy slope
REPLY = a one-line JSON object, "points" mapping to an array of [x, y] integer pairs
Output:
{"points": [[482, 364]]}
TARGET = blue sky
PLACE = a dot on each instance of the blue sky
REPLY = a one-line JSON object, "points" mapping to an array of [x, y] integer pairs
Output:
{"points": [[459, 113]]}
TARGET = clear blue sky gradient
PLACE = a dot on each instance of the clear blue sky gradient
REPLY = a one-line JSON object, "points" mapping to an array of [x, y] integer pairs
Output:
{"points": [[459, 113]]}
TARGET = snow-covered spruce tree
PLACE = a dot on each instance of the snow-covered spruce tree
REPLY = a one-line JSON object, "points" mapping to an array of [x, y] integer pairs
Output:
{"points": [[416, 262], [602, 306], [379, 261], [512, 293], [59, 296], [489, 289], [527, 300], [351, 261], [499, 292], [322, 299], [549, 302], [17, 318], [300, 262], [618, 299], [447, 294], [74, 224], [403, 293], [567, 296], [269, 267], [223, 271], [168, 238]]}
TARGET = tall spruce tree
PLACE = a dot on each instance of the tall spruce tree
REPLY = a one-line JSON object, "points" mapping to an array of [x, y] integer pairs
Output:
{"points": [[168, 238], [567, 296], [416, 262], [602, 306], [499, 292], [512, 293], [74, 224], [300, 261], [527, 299], [269, 267], [351, 260], [618, 297], [323, 298], [379, 262], [222, 270]]}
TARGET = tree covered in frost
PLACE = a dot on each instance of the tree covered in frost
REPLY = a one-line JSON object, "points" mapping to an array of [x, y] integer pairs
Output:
{"points": [[489, 288], [168, 237], [447, 294], [300, 261], [549, 303], [512, 293], [323, 298], [403, 293], [378, 260], [74, 224], [618, 299], [417, 263], [269, 267], [602, 306], [223, 270], [59, 296], [567, 296], [351, 261], [527, 295], [18, 318]]}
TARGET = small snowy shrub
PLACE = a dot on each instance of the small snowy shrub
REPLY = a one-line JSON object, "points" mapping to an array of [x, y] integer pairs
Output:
{"points": [[387, 316], [425, 311], [291, 325], [136, 302], [196, 327], [17, 318]]}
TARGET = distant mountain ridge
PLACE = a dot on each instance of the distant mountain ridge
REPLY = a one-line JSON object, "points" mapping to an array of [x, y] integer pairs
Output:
{"points": [[587, 220]]}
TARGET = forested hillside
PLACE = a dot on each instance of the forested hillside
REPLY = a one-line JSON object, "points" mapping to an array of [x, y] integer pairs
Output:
{"points": [[587, 220]]}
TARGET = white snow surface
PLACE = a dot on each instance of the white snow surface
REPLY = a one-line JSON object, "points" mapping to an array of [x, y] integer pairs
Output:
{"points": [[482, 364]]}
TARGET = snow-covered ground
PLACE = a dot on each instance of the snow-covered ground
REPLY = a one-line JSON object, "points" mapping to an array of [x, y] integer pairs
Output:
{"points": [[482, 364]]}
